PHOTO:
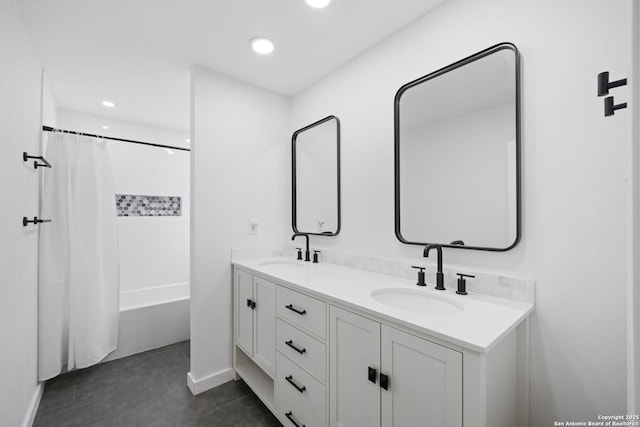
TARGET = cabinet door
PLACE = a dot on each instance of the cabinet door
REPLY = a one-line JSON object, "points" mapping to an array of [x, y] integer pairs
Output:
{"points": [[265, 324], [244, 312], [425, 382], [355, 347]]}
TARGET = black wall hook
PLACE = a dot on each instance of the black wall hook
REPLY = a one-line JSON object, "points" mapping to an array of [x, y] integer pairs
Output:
{"points": [[604, 84], [610, 108], [45, 163], [35, 220]]}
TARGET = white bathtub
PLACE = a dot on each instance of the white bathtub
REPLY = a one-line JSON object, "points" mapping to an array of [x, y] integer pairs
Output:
{"points": [[151, 318]]}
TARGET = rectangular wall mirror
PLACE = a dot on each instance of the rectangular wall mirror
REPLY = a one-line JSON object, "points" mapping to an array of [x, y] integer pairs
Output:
{"points": [[315, 155], [457, 154]]}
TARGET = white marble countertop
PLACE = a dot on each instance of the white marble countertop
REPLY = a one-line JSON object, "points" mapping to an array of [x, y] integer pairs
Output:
{"points": [[481, 323]]}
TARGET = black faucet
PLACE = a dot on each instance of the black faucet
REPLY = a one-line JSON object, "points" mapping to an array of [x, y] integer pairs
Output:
{"points": [[307, 255], [439, 275]]}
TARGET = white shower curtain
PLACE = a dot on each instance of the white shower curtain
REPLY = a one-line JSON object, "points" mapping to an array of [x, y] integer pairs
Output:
{"points": [[79, 276]]}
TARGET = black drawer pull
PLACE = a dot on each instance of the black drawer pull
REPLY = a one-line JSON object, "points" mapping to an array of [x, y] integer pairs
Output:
{"points": [[372, 375], [293, 420], [251, 304], [292, 308], [384, 381], [299, 350], [290, 381]]}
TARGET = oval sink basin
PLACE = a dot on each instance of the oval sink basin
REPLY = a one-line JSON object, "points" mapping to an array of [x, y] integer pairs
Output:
{"points": [[283, 262], [283, 266], [417, 300]]}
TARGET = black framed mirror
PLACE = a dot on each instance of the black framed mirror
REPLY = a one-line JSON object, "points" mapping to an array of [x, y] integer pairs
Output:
{"points": [[315, 178], [457, 154]]}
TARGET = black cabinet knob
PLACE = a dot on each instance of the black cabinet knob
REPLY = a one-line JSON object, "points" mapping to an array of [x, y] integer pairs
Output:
{"points": [[384, 381], [372, 373]]}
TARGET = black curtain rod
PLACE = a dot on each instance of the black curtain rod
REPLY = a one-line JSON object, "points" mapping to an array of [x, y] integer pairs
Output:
{"points": [[50, 129]]}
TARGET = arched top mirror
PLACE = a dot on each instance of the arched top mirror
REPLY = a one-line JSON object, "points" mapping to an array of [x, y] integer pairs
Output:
{"points": [[457, 154]]}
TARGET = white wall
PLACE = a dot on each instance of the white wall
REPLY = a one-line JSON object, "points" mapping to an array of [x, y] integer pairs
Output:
{"points": [[239, 171], [574, 177], [49, 106], [20, 121], [154, 251]]}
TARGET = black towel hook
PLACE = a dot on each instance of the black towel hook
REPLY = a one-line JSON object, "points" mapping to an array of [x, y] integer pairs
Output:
{"points": [[610, 108], [45, 163], [604, 84], [35, 220]]}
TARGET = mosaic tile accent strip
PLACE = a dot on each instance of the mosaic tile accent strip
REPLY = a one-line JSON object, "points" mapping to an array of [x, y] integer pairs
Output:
{"points": [[137, 205]]}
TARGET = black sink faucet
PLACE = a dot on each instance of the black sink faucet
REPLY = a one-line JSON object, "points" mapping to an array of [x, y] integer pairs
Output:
{"points": [[307, 255], [439, 275]]}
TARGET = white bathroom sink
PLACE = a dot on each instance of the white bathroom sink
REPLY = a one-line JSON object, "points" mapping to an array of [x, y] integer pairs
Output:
{"points": [[283, 262], [275, 266], [417, 300]]}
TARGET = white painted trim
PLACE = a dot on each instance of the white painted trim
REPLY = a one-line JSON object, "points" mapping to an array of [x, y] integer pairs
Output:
{"points": [[633, 270], [524, 352], [30, 416], [207, 383]]}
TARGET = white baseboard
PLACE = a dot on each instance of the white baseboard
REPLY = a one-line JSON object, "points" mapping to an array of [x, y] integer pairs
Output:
{"points": [[30, 416], [207, 383]]}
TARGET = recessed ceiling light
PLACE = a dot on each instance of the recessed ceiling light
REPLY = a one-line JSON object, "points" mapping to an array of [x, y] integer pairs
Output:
{"points": [[262, 45], [318, 3], [187, 140], [108, 104], [105, 127]]}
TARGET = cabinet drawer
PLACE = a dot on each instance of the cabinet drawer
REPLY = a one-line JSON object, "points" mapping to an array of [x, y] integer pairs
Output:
{"points": [[306, 351], [308, 391], [291, 413], [303, 311]]}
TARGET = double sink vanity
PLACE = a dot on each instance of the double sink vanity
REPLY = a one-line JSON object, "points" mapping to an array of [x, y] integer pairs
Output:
{"points": [[323, 344]]}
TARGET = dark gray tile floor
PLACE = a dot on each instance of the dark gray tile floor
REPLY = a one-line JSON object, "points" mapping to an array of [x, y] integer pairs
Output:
{"points": [[146, 389]]}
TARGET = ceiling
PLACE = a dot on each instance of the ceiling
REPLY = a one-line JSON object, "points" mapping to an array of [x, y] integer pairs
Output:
{"points": [[139, 53]]}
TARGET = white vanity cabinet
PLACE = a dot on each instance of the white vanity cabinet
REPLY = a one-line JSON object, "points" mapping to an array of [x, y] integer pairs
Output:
{"points": [[255, 318], [381, 376], [254, 321], [316, 360]]}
